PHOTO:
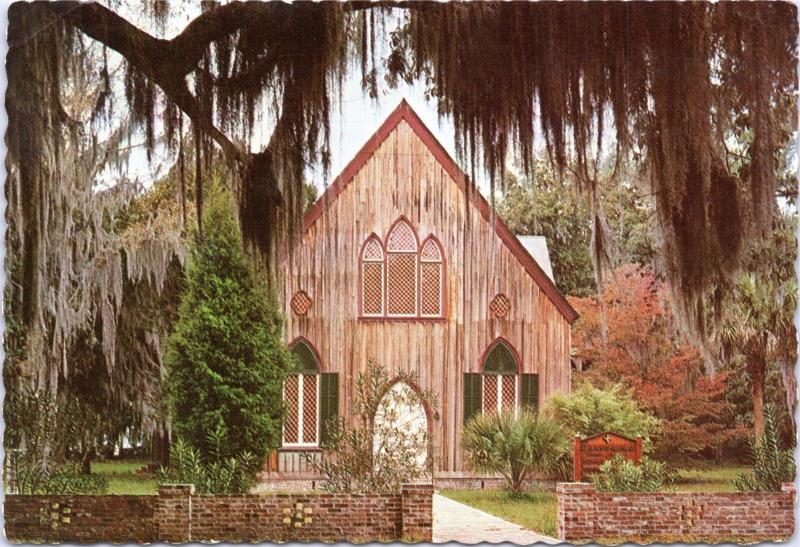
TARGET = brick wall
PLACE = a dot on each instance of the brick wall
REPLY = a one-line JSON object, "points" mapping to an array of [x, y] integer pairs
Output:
{"points": [[178, 515], [173, 516], [296, 517], [417, 509], [80, 519], [584, 513]]}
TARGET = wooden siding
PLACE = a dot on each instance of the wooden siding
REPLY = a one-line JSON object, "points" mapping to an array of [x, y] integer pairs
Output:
{"points": [[403, 177]]}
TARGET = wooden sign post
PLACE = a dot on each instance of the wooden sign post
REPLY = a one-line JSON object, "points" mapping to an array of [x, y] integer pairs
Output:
{"points": [[590, 453]]}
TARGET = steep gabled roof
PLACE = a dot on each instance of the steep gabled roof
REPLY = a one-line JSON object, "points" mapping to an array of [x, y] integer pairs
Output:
{"points": [[537, 248], [405, 112]]}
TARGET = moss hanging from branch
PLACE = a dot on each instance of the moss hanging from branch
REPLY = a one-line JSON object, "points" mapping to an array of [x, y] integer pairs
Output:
{"points": [[68, 264], [672, 81], [656, 70]]}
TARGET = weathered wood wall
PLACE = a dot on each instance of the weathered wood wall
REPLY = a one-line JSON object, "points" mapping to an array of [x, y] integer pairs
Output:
{"points": [[403, 177]]}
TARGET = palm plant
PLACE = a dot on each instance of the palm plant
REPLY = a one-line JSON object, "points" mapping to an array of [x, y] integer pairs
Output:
{"points": [[759, 327], [772, 466], [514, 445]]}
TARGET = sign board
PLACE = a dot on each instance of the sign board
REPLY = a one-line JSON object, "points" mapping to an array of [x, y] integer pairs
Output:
{"points": [[590, 453]]}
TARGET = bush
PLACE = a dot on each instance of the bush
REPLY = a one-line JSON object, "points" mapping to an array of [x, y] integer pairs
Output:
{"points": [[69, 479], [226, 358], [28, 478], [589, 410], [376, 452], [41, 434], [219, 473], [771, 465], [620, 474], [513, 445]]}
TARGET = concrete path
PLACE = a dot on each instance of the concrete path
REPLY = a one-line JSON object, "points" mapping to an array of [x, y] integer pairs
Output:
{"points": [[453, 521]]}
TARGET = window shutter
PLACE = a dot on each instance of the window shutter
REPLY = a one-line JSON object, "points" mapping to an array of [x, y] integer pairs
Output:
{"points": [[530, 390], [329, 403], [472, 395]]}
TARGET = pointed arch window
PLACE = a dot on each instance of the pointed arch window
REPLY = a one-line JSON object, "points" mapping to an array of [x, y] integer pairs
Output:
{"points": [[401, 270], [500, 378], [372, 277], [301, 398], [431, 278], [401, 278]]}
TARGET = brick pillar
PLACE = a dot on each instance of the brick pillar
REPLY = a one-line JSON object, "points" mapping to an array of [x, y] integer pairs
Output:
{"points": [[573, 518], [417, 512], [174, 513]]}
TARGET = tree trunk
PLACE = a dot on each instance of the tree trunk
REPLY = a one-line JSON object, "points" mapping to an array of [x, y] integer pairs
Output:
{"points": [[159, 447], [757, 372], [164, 448], [86, 461], [789, 389]]}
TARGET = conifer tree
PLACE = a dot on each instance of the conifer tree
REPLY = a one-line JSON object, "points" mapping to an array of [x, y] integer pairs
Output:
{"points": [[226, 359]]}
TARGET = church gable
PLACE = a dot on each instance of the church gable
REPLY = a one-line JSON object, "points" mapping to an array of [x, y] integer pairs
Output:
{"points": [[394, 138]]}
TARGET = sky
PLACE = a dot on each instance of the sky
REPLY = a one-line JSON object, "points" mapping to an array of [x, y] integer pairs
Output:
{"points": [[360, 117], [351, 126]]}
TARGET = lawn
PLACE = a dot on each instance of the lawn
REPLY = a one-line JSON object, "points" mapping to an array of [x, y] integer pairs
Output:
{"points": [[713, 479], [537, 510], [123, 479]]}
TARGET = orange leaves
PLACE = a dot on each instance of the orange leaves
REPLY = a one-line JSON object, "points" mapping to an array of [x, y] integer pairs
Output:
{"points": [[630, 337]]}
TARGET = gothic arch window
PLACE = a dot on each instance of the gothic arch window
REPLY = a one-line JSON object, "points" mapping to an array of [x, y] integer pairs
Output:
{"points": [[401, 270], [372, 277], [500, 378], [399, 278], [431, 278], [301, 397]]}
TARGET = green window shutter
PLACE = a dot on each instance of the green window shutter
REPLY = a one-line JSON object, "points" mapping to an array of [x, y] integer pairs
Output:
{"points": [[472, 395], [328, 403], [530, 390]]}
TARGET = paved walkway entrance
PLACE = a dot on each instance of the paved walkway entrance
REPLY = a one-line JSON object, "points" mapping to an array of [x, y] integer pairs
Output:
{"points": [[453, 521]]}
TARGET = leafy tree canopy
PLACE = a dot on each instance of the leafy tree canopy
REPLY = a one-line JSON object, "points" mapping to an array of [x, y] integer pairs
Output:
{"points": [[589, 410], [546, 204]]}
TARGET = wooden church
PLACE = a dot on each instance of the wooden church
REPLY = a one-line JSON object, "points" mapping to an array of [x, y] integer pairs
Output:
{"points": [[400, 263]]}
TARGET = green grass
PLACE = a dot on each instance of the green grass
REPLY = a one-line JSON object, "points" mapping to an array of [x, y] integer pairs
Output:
{"points": [[123, 479], [713, 479], [536, 511]]}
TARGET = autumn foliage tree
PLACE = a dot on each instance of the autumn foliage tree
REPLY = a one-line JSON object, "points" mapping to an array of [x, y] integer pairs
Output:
{"points": [[644, 351]]}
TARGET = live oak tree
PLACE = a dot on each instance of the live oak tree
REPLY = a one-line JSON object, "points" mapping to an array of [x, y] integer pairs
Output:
{"points": [[670, 82]]}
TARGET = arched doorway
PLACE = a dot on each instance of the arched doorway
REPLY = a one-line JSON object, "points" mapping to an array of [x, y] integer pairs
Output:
{"points": [[401, 425]]}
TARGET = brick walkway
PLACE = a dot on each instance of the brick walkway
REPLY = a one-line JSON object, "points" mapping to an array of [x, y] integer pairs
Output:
{"points": [[453, 521]]}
